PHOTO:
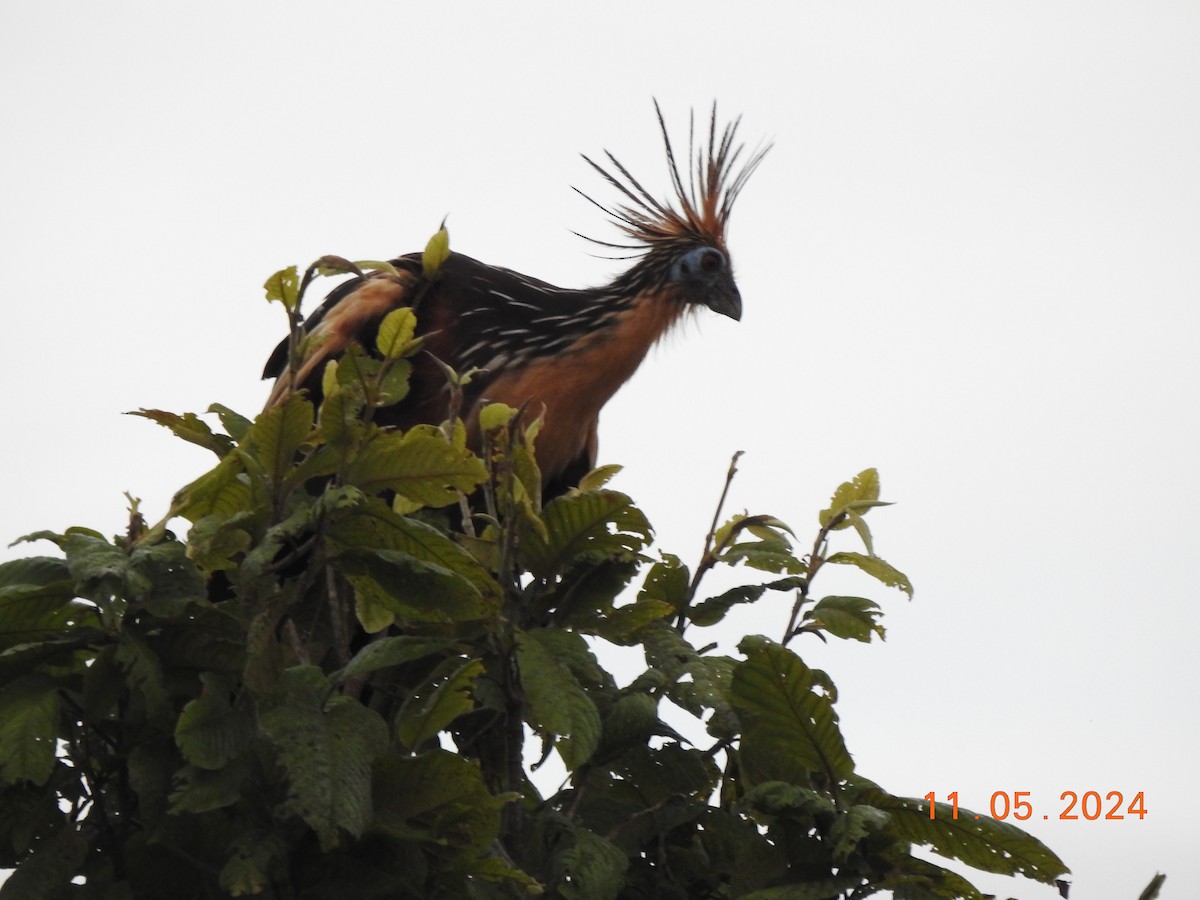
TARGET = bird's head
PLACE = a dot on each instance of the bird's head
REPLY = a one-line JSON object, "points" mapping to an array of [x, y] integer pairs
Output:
{"points": [[680, 243]]}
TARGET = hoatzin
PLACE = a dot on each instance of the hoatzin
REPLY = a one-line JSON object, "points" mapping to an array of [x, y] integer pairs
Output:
{"points": [[556, 352]]}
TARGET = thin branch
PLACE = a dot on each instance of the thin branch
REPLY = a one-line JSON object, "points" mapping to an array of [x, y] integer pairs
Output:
{"points": [[708, 558]]}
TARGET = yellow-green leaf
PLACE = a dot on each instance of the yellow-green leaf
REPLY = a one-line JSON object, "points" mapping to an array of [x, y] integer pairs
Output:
{"points": [[396, 332], [437, 251], [284, 287]]}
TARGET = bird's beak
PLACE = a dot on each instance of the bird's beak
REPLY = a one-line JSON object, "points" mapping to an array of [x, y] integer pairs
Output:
{"points": [[727, 302]]}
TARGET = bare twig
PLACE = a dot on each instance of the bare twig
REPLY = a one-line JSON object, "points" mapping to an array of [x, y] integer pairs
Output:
{"points": [[708, 558]]}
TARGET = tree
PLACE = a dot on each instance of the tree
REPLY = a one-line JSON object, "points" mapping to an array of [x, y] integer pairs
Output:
{"points": [[326, 690]]}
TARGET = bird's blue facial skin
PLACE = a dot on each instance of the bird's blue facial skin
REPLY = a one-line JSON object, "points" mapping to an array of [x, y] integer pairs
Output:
{"points": [[699, 264]]}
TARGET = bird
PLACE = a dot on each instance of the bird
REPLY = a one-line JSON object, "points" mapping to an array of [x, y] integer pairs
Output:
{"points": [[558, 353]]}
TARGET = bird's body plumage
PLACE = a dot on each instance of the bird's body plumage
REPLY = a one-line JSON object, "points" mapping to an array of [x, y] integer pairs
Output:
{"points": [[559, 353]]}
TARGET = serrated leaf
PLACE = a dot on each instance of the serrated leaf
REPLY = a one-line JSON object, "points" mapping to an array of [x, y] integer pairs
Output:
{"points": [[214, 541], [437, 251], [211, 730], [284, 287], [713, 610], [395, 333], [224, 491], [977, 840], [600, 525], [437, 797], [162, 578], [29, 709], [254, 853], [853, 825], [556, 702], [327, 751], [847, 617], [666, 581], [592, 868], [412, 589], [373, 525], [420, 464], [622, 624], [189, 427], [36, 600], [876, 568], [864, 488], [598, 477], [276, 435], [790, 730]]}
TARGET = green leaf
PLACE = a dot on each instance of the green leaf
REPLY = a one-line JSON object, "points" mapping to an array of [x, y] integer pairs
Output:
{"points": [[979, 841], [556, 702], [411, 589], [630, 721], [396, 333], [330, 265], [420, 464], [284, 287], [667, 581], [809, 889], [373, 525], [439, 700], [859, 494], [496, 415], [598, 477], [222, 491], [390, 651], [790, 730], [777, 798], [917, 879], [327, 751], [276, 435], [852, 826], [36, 597], [214, 541], [168, 580], [1150, 892], [200, 790], [437, 251], [713, 610], [255, 853], [437, 797], [876, 568], [376, 265], [592, 868], [29, 710], [596, 526], [235, 424], [47, 873], [623, 624], [211, 730], [189, 427], [847, 617], [98, 567], [145, 674], [696, 683]]}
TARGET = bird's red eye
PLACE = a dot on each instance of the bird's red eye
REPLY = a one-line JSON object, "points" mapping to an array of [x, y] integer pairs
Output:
{"points": [[711, 261]]}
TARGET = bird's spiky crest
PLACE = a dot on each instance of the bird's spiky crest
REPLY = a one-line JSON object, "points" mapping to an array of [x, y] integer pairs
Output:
{"points": [[704, 202]]}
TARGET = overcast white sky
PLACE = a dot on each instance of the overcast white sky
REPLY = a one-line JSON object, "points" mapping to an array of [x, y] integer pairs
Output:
{"points": [[970, 260]]}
